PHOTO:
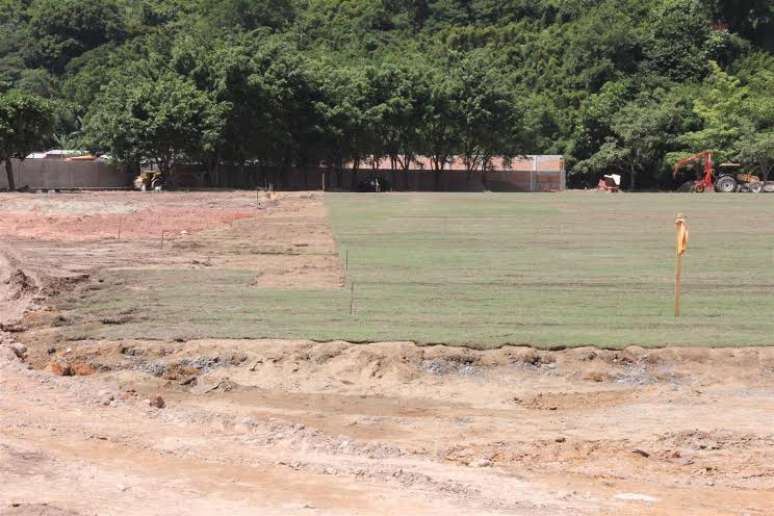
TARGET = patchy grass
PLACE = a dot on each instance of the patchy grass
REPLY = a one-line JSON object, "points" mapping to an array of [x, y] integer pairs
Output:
{"points": [[485, 270]]}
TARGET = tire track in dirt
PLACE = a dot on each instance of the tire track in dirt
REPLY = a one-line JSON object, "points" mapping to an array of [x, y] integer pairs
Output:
{"points": [[691, 428]]}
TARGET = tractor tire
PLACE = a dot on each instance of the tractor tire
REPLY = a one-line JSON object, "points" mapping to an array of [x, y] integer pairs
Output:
{"points": [[756, 187], [726, 184]]}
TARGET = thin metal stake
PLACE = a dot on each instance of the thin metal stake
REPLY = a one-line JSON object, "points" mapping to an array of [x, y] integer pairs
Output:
{"points": [[120, 221], [162, 239], [346, 261], [678, 274], [352, 298]]}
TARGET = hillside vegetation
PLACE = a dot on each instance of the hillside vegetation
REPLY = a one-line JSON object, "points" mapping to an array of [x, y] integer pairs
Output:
{"points": [[621, 86]]}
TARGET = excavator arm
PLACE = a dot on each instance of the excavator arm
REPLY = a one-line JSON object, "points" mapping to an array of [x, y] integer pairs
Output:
{"points": [[708, 179]]}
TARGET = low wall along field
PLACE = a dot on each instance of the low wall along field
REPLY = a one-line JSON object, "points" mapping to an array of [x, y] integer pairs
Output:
{"points": [[55, 174], [528, 174], [533, 174]]}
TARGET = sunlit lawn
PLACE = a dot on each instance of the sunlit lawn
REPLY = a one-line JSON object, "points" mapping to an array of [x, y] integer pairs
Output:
{"points": [[547, 270]]}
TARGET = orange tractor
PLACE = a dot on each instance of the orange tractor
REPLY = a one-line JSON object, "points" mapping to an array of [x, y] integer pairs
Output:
{"points": [[728, 178]]}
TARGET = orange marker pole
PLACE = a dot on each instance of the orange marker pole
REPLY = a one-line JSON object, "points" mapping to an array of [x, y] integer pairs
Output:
{"points": [[682, 245]]}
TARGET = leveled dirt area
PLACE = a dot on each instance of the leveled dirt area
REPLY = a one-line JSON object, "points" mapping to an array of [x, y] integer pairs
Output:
{"points": [[206, 426], [278, 427], [283, 239]]}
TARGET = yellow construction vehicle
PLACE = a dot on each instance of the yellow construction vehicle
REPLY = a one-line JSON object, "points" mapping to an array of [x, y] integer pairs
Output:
{"points": [[149, 181]]}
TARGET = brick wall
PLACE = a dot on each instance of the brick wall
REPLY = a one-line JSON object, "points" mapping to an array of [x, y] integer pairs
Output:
{"points": [[532, 174]]}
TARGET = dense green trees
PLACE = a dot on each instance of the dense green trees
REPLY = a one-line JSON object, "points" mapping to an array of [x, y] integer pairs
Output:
{"points": [[60, 30], [26, 121], [163, 119], [484, 116], [624, 85]]}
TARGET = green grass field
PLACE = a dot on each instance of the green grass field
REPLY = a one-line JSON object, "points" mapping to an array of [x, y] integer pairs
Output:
{"points": [[548, 270]]}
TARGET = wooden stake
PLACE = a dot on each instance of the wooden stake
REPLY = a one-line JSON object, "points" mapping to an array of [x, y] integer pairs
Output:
{"points": [[678, 277], [346, 261], [162, 239], [352, 298], [120, 221]]}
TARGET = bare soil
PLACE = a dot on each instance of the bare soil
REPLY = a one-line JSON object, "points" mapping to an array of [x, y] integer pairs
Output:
{"points": [[285, 238], [302, 427]]}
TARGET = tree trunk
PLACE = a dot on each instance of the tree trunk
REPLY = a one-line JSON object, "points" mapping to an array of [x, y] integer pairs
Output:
{"points": [[339, 173], [9, 173], [355, 168], [404, 164], [284, 179], [633, 168], [165, 166], [437, 164], [262, 180]]}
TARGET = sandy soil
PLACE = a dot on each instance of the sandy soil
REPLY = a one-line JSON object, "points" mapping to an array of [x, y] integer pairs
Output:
{"points": [[285, 238], [299, 427]]}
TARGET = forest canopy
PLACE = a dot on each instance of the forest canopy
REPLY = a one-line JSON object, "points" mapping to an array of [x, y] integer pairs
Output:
{"points": [[620, 86]]}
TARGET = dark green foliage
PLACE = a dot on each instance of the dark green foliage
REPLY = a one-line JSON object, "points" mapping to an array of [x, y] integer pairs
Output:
{"points": [[614, 85], [677, 46], [751, 19], [60, 30], [163, 119], [25, 122], [247, 14]]}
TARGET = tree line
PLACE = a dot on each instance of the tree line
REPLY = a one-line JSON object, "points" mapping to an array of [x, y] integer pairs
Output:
{"points": [[614, 86]]}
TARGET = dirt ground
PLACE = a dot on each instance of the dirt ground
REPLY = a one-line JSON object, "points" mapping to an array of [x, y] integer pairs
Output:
{"points": [[66, 236], [301, 427]]}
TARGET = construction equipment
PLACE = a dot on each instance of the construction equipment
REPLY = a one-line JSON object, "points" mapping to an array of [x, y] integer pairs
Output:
{"points": [[609, 183], [148, 180], [702, 183], [745, 182], [376, 184], [728, 178]]}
